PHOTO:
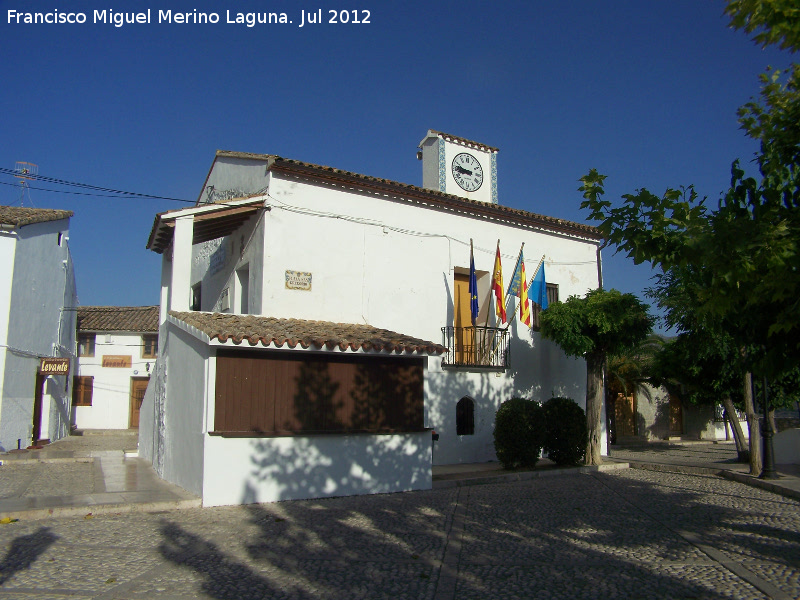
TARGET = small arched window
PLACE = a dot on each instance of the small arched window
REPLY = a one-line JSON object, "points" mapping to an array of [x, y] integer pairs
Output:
{"points": [[465, 417]]}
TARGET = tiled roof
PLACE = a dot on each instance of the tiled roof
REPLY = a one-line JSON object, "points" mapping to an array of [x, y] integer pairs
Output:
{"points": [[433, 132], [118, 318], [293, 332], [449, 201], [161, 232], [19, 216]]}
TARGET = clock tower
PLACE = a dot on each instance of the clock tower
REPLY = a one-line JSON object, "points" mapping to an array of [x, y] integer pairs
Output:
{"points": [[453, 165]]}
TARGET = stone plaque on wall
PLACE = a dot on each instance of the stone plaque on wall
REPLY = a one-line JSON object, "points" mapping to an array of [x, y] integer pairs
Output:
{"points": [[298, 280]]}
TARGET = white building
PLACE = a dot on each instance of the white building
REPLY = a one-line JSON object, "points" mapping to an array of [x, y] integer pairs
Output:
{"points": [[37, 321], [316, 325], [117, 349]]}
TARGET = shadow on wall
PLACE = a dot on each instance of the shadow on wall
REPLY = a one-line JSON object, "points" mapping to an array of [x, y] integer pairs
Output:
{"points": [[659, 428], [394, 546], [336, 449], [59, 407]]}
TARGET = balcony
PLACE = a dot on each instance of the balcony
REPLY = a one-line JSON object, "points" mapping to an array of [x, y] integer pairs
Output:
{"points": [[475, 347]]}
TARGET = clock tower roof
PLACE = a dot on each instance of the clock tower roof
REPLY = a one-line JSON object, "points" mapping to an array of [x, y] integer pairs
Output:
{"points": [[432, 133]]}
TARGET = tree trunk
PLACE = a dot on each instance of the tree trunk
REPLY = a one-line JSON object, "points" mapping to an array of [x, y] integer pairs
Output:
{"points": [[773, 426], [594, 406], [738, 434], [752, 426]]}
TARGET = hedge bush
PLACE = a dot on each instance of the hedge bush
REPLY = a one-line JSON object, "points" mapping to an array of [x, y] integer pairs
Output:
{"points": [[566, 434], [519, 433]]}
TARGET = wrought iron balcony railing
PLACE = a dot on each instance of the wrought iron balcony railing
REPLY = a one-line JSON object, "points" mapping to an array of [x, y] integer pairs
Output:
{"points": [[483, 347]]}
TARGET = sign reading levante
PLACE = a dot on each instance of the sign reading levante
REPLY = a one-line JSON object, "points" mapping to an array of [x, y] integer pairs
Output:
{"points": [[54, 366], [193, 17], [114, 361], [298, 280]]}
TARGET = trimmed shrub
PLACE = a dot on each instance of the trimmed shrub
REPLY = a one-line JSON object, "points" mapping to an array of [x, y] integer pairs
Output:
{"points": [[518, 433], [566, 435]]}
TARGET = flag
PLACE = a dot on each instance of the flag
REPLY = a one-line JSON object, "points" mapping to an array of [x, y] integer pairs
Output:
{"points": [[538, 289], [497, 286], [513, 287], [473, 287], [524, 305]]}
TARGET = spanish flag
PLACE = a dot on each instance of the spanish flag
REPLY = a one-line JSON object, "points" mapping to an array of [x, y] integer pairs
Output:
{"points": [[524, 305], [497, 286]]}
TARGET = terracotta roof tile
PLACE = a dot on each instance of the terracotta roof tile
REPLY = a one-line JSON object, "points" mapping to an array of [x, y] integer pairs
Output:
{"points": [[435, 197], [433, 132], [118, 318], [19, 216], [306, 334]]}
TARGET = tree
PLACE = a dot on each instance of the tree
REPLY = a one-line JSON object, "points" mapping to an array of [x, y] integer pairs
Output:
{"points": [[703, 368], [602, 323]]}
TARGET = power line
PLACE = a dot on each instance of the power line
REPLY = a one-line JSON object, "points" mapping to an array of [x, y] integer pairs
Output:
{"points": [[119, 196], [94, 187]]}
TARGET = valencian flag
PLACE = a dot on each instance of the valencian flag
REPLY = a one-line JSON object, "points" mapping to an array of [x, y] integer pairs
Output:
{"points": [[524, 305], [497, 286], [538, 289], [513, 286], [473, 287]]}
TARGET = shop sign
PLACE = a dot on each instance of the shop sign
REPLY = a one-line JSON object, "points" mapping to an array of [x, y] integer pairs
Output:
{"points": [[54, 366]]}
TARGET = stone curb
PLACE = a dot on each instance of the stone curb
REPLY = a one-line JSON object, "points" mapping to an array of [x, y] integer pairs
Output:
{"points": [[682, 469], [442, 484], [745, 478], [99, 509], [764, 484], [6, 462]]}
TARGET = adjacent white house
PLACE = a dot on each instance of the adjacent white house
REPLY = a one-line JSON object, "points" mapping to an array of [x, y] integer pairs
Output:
{"points": [[37, 326], [117, 350], [649, 413], [316, 325]]}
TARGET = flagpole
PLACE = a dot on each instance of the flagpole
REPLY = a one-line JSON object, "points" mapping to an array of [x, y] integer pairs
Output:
{"points": [[489, 295], [514, 314], [510, 283]]}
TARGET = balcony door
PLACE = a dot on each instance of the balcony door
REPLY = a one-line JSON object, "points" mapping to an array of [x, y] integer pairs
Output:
{"points": [[462, 320]]}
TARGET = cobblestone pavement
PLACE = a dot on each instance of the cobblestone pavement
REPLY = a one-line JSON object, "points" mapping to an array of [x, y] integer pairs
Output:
{"points": [[624, 534]]}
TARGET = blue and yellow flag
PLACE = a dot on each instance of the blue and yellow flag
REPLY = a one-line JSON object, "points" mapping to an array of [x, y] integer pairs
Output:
{"points": [[538, 288]]}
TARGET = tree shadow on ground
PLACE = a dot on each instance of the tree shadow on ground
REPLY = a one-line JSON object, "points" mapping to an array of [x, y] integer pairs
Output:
{"points": [[561, 537], [24, 551]]}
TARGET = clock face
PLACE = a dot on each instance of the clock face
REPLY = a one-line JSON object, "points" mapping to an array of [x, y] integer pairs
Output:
{"points": [[467, 172]]}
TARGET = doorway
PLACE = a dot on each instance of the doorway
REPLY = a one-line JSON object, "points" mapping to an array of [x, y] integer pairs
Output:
{"points": [[138, 389]]}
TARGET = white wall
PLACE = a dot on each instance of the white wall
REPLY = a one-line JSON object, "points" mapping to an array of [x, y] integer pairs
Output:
{"points": [[110, 407], [247, 470], [8, 245], [390, 263], [187, 372], [42, 285]]}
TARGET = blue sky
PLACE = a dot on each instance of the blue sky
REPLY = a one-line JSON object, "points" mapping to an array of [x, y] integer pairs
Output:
{"points": [[645, 92]]}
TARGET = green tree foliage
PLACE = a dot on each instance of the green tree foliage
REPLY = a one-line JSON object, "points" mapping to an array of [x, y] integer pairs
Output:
{"points": [[748, 247], [519, 433], [603, 323], [770, 22]]}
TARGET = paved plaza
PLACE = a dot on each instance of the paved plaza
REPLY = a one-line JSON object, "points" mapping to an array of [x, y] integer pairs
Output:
{"points": [[623, 534]]}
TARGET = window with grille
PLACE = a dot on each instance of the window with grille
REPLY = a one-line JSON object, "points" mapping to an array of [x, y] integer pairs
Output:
{"points": [[552, 298], [82, 388], [149, 345], [86, 344]]}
